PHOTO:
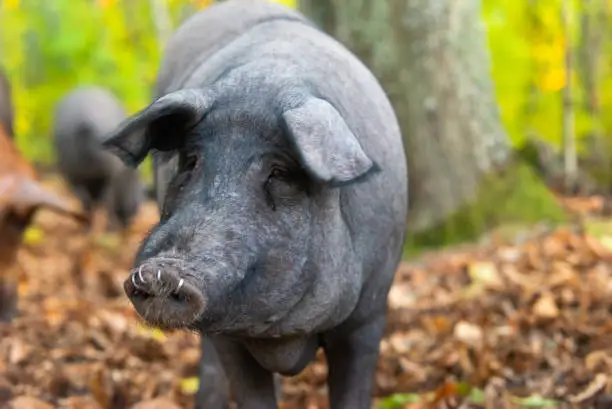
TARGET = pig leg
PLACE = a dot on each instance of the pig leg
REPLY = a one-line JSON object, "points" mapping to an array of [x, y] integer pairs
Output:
{"points": [[9, 281], [252, 386], [352, 355], [213, 390], [86, 203]]}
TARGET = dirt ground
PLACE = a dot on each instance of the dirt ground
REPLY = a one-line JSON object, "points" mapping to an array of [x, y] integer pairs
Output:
{"points": [[492, 326]]}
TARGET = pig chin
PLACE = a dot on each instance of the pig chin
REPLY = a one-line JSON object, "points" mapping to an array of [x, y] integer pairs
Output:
{"points": [[166, 293]]}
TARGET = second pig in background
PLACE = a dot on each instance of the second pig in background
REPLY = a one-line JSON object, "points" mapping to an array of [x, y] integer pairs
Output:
{"points": [[6, 105], [108, 190]]}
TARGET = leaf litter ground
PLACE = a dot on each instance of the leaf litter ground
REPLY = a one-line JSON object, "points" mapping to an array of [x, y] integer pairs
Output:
{"points": [[493, 325]]}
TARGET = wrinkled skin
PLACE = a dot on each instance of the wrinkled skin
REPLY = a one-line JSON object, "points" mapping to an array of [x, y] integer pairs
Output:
{"points": [[96, 176], [281, 178], [6, 105]]}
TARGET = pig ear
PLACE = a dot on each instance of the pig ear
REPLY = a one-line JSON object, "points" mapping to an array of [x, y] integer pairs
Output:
{"points": [[23, 194], [328, 148], [162, 125]]}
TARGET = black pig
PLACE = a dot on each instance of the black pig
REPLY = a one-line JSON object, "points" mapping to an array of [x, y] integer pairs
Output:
{"points": [[96, 176], [282, 183], [6, 105]]}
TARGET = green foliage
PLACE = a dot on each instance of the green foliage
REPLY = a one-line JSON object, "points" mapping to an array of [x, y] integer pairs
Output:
{"points": [[49, 47], [473, 395], [527, 41]]}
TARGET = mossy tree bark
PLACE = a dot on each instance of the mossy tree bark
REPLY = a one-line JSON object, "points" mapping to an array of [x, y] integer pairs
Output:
{"points": [[431, 57]]}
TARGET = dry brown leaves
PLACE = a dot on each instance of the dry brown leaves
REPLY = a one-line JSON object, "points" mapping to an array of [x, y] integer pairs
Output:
{"points": [[509, 319]]}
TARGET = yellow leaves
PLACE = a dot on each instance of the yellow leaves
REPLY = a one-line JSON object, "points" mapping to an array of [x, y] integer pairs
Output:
{"points": [[33, 236], [106, 3], [108, 241], [189, 386], [288, 3], [10, 4], [552, 80], [549, 51], [154, 333], [549, 61], [200, 4]]}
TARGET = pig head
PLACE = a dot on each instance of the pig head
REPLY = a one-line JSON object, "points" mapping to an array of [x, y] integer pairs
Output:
{"points": [[249, 219], [20, 197]]}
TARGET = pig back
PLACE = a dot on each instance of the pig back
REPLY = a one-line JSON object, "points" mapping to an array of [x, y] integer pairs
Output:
{"points": [[276, 45], [82, 120], [6, 105], [209, 31]]}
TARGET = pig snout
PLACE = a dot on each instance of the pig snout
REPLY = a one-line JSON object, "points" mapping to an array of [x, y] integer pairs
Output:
{"points": [[162, 296]]}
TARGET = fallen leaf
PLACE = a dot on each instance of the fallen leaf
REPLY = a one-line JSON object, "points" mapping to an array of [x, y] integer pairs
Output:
{"points": [[469, 334], [158, 403], [19, 351], [596, 386], [606, 242], [189, 386], [485, 272], [33, 235], [26, 402], [546, 307], [81, 402]]}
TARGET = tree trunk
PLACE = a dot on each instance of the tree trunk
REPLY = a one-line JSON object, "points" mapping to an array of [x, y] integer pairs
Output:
{"points": [[593, 28], [570, 161], [162, 21], [593, 21], [431, 57]]}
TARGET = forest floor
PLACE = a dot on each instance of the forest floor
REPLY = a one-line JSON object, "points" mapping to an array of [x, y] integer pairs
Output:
{"points": [[492, 325]]}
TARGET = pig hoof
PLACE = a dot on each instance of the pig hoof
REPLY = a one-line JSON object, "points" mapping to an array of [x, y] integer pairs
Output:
{"points": [[163, 298]]}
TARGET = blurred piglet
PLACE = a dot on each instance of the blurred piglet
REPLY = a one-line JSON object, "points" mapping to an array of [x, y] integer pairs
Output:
{"points": [[282, 182], [108, 190], [21, 196], [6, 105]]}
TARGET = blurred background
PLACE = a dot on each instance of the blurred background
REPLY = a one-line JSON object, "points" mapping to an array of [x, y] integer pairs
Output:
{"points": [[504, 297], [525, 56]]}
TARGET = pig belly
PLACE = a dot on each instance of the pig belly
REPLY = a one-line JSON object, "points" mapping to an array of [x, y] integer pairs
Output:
{"points": [[285, 356]]}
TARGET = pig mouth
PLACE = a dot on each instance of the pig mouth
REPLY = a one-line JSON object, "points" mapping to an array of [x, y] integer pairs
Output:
{"points": [[163, 296]]}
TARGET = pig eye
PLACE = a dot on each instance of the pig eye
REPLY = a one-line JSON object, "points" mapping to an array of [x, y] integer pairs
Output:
{"points": [[282, 187], [187, 163], [279, 173], [190, 164], [276, 173]]}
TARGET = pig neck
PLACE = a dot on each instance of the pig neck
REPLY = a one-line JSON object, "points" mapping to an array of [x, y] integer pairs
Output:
{"points": [[287, 356]]}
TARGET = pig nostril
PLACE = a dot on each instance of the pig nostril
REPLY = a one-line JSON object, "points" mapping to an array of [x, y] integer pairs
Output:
{"points": [[164, 298], [140, 294], [178, 297]]}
